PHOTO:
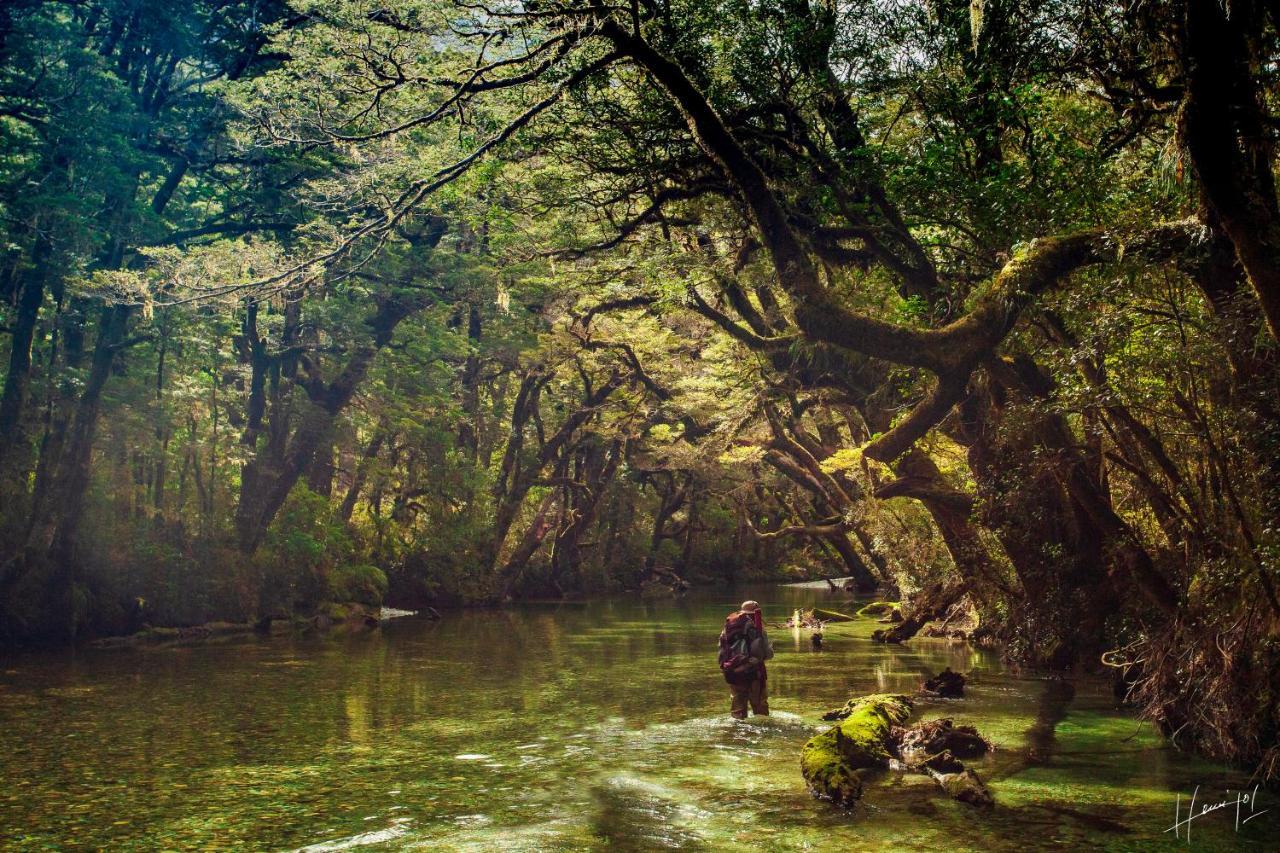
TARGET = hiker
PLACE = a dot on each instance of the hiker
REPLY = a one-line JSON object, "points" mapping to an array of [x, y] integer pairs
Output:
{"points": [[744, 647]]}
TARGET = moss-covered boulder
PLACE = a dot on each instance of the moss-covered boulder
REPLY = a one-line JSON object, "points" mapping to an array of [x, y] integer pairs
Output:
{"points": [[878, 608], [830, 761]]}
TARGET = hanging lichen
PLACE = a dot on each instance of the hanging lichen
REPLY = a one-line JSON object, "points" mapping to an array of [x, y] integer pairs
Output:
{"points": [[976, 10]]}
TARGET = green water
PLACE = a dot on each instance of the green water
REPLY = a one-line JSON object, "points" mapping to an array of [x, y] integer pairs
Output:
{"points": [[576, 727]]}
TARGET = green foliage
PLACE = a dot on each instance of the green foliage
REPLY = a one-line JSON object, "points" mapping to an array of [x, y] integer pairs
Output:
{"points": [[595, 370], [363, 584]]}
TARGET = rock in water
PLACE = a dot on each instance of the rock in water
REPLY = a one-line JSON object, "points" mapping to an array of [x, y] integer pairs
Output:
{"points": [[947, 684], [966, 787], [830, 761]]}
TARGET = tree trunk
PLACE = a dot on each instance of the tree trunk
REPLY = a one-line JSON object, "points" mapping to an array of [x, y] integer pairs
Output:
{"points": [[258, 505], [14, 398], [367, 459], [1226, 129]]}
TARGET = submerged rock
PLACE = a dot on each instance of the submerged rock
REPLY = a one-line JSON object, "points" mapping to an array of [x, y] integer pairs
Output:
{"points": [[829, 761]]}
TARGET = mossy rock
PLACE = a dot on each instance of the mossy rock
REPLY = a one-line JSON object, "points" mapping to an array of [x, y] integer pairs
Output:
{"points": [[878, 608], [829, 761]]}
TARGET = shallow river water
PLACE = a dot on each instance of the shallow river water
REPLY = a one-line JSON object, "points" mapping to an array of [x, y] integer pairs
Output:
{"points": [[598, 726]]}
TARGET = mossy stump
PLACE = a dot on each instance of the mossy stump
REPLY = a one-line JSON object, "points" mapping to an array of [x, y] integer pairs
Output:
{"points": [[830, 761]]}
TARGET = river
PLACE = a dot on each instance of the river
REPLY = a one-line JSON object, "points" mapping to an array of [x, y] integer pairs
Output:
{"points": [[590, 726]]}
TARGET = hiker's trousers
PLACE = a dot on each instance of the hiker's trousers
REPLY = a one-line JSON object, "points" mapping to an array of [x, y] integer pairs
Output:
{"points": [[754, 692]]}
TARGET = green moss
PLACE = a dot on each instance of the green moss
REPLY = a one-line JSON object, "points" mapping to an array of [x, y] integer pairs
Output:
{"points": [[362, 584], [335, 611], [826, 773], [878, 608], [829, 761]]}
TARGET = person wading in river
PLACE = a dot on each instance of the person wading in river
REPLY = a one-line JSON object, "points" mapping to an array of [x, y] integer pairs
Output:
{"points": [[744, 647]]}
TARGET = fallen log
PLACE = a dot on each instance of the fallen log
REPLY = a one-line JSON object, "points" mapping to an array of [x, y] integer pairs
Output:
{"points": [[830, 615], [870, 734], [929, 605], [829, 762], [965, 786]]}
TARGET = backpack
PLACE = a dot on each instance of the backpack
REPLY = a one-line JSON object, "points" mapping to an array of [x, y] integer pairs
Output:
{"points": [[735, 648]]}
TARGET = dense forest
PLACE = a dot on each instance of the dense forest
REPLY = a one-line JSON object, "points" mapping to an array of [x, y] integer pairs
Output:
{"points": [[430, 302]]}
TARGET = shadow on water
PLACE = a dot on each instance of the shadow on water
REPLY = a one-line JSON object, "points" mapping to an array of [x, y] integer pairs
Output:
{"points": [[635, 815], [1040, 747], [1052, 710]]}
